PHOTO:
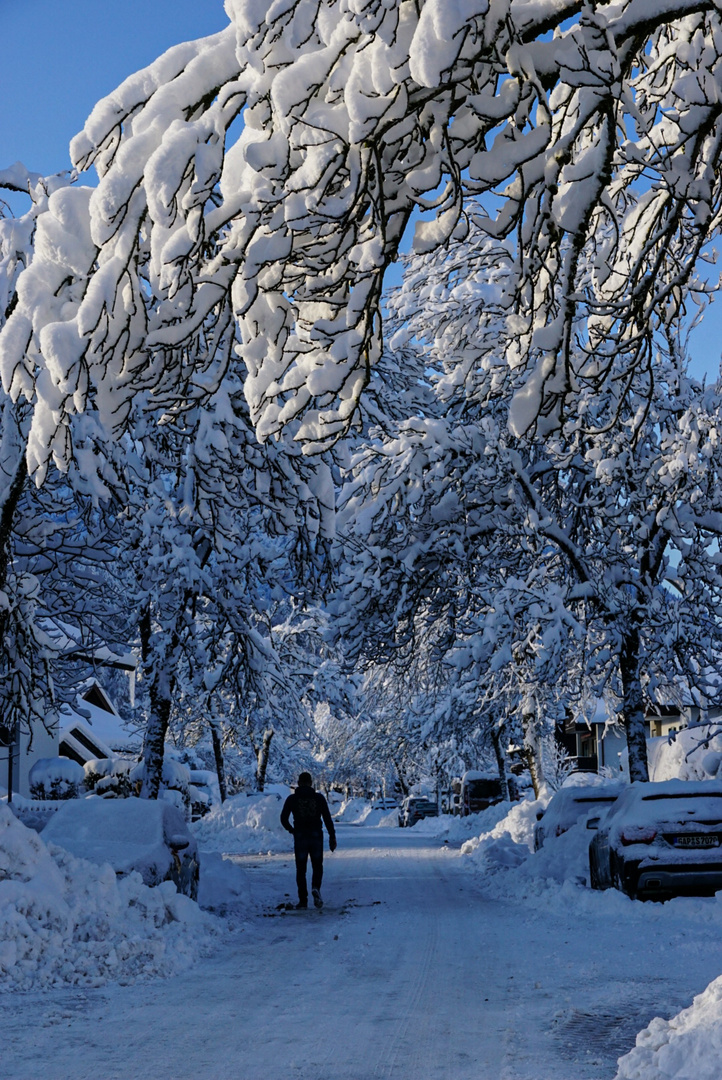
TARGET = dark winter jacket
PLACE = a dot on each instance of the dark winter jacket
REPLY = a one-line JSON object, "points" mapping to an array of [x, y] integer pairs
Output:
{"points": [[309, 809]]}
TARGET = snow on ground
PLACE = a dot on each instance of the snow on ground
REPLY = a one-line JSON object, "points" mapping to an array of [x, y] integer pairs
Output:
{"points": [[67, 921], [549, 955], [687, 1047], [245, 824]]}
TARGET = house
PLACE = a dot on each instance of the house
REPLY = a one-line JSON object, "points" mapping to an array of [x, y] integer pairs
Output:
{"points": [[91, 728], [601, 741]]}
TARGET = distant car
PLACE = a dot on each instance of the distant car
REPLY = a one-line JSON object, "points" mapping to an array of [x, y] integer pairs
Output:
{"points": [[147, 835], [385, 804], [569, 804], [414, 809], [660, 840], [479, 791]]}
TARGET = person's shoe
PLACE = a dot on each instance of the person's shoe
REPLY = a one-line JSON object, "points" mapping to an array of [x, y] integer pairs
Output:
{"points": [[301, 905], [318, 902]]}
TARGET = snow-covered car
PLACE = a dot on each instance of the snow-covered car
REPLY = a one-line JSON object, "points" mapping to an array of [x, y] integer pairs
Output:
{"points": [[414, 809], [660, 840], [146, 835], [569, 804], [385, 804]]}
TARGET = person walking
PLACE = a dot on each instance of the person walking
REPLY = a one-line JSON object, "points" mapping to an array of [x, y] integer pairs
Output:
{"points": [[309, 809]]}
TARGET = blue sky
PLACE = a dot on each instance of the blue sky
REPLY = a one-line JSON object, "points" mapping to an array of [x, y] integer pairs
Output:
{"points": [[61, 56]]}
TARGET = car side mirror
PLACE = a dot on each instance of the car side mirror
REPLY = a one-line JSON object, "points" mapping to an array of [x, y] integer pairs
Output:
{"points": [[593, 823], [539, 815], [178, 843]]}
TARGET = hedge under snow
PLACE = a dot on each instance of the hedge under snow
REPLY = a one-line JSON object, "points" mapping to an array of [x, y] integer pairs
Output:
{"points": [[64, 920]]}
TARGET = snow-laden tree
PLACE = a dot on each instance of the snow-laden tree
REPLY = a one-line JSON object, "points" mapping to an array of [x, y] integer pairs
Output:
{"points": [[266, 175], [60, 610], [586, 560]]}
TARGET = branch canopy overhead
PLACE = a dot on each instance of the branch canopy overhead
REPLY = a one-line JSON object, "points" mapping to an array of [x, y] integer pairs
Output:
{"points": [[256, 184]]}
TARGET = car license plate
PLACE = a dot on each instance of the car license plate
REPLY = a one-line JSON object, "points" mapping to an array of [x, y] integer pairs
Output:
{"points": [[696, 841]]}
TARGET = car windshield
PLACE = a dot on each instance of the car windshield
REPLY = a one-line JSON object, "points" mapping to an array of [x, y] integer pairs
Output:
{"points": [[683, 795], [483, 789], [596, 799]]}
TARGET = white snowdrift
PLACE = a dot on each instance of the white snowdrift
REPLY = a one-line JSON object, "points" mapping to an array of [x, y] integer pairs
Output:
{"points": [[360, 812], [687, 1047], [244, 824], [64, 920]]}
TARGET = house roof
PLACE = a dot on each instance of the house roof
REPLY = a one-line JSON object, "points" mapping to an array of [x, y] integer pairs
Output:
{"points": [[95, 715]]}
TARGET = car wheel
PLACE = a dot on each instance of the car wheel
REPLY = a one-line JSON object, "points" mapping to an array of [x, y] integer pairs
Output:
{"points": [[617, 880], [594, 881]]}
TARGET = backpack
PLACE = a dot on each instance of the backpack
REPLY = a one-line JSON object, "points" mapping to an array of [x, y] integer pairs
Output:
{"points": [[306, 814]]}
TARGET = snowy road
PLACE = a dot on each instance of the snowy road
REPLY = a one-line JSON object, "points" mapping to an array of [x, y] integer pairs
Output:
{"points": [[409, 972]]}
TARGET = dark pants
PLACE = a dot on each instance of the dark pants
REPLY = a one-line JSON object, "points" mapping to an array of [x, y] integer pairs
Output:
{"points": [[303, 846]]}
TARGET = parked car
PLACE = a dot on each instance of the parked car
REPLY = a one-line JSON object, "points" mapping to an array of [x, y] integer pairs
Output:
{"points": [[660, 840], [385, 804], [415, 808], [479, 791], [146, 835], [569, 804]]}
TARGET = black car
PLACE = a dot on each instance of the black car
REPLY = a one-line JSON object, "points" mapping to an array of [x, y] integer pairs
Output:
{"points": [[414, 809], [660, 840]]}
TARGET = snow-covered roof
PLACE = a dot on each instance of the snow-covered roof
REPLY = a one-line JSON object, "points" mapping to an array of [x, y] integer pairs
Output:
{"points": [[104, 727]]}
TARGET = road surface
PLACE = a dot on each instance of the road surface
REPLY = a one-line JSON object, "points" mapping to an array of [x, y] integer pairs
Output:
{"points": [[409, 972]]}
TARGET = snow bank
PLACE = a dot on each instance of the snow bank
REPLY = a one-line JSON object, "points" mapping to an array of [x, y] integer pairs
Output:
{"points": [[360, 812], [63, 920], [458, 829], [687, 1047], [244, 824], [685, 757], [223, 884]]}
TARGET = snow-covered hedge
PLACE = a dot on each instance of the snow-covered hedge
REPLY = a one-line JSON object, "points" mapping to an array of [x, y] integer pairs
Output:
{"points": [[56, 778], [244, 824], [109, 777], [64, 920]]}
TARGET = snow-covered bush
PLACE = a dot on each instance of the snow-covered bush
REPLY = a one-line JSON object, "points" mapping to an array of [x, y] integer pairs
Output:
{"points": [[108, 777], [56, 778], [64, 920]]}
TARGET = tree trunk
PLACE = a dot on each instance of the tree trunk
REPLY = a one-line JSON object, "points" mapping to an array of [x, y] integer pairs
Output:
{"points": [[532, 752], [496, 739], [160, 694], [262, 758], [402, 783], [154, 743], [633, 706], [218, 755]]}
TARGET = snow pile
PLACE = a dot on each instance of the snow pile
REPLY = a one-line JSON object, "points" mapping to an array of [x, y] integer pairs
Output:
{"points": [[457, 829], [687, 1047], [360, 812], [64, 920], [353, 811], [508, 834], [244, 824], [223, 884], [686, 757]]}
